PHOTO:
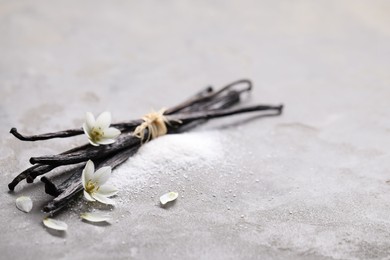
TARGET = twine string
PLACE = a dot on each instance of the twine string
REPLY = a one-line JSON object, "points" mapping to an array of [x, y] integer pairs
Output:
{"points": [[156, 125]]}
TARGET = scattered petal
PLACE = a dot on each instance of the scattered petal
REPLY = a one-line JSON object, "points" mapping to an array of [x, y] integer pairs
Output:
{"points": [[55, 224], [95, 217], [24, 204], [167, 197]]}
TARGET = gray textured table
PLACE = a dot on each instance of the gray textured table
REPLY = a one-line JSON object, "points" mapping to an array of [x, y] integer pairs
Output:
{"points": [[310, 184]]}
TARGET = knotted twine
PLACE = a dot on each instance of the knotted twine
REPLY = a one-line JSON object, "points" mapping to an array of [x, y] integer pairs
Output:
{"points": [[156, 125]]}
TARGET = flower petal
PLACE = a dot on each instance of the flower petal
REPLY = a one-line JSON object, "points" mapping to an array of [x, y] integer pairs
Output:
{"points": [[89, 121], [55, 224], [111, 133], [88, 171], [101, 176], [107, 190], [93, 143], [86, 130], [106, 141], [103, 120], [95, 217], [88, 197], [24, 204], [167, 197], [103, 199]]}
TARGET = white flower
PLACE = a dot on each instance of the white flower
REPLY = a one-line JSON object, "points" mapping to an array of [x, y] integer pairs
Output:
{"points": [[94, 184], [99, 130]]}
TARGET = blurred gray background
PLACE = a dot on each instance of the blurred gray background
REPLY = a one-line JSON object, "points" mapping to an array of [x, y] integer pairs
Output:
{"points": [[311, 184]]}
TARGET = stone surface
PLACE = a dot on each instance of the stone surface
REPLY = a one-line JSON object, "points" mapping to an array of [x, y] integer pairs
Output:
{"points": [[311, 184]]}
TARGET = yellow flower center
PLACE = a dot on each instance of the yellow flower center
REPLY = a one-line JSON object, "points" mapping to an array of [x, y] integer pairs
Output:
{"points": [[90, 187], [96, 133]]}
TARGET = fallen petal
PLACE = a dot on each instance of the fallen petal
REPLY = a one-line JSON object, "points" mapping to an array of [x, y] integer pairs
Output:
{"points": [[55, 224], [95, 217], [167, 197], [24, 204]]}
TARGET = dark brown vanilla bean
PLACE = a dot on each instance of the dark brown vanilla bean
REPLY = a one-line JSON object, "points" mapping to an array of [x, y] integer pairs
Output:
{"points": [[246, 82], [219, 102], [199, 97], [213, 97], [31, 173], [66, 133], [92, 152], [124, 126], [23, 175], [188, 118]]}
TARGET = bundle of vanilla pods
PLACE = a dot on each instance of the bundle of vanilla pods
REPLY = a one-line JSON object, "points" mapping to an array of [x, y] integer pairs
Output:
{"points": [[205, 105]]}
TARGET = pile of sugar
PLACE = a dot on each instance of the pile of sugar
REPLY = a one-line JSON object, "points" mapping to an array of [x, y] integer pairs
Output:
{"points": [[168, 157]]}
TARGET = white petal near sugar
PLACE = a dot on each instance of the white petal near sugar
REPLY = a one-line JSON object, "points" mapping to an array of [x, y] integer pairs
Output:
{"points": [[24, 204], [101, 175], [102, 198], [108, 190], [95, 217], [167, 197], [55, 224]]}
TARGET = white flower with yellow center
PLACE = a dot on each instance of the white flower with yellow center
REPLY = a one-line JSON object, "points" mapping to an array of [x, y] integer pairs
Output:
{"points": [[99, 130], [94, 183]]}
